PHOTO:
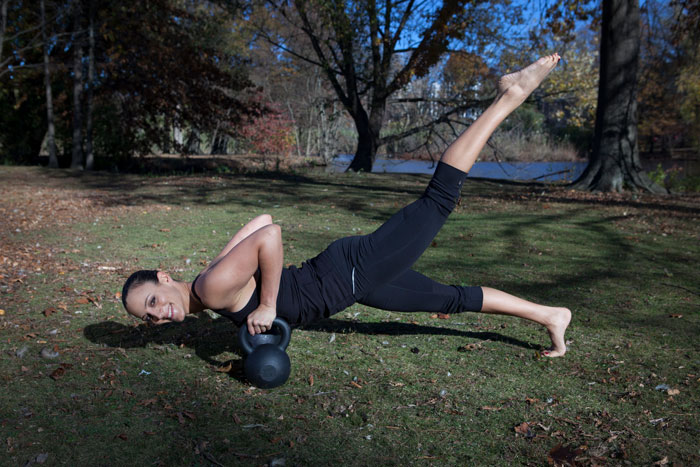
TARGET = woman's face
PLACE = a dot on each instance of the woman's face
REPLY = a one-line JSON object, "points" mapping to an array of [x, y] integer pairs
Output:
{"points": [[157, 303]]}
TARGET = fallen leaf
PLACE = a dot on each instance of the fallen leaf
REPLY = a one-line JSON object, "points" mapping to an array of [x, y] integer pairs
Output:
{"points": [[523, 429], [488, 407], [353, 383], [675, 315], [311, 380], [443, 316], [663, 461], [49, 311], [468, 347], [224, 368], [122, 436], [563, 455], [82, 301], [57, 373], [673, 392], [165, 230]]}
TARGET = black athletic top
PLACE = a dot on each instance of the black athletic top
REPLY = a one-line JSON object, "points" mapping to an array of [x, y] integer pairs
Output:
{"points": [[314, 291]]}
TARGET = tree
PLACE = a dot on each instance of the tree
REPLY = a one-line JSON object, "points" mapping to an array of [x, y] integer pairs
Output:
{"points": [[89, 133], [77, 159], [51, 133], [371, 49], [687, 41], [614, 162], [3, 23], [148, 69]]}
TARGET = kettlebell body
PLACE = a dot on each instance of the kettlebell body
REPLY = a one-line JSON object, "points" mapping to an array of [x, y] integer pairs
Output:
{"points": [[267, 365]]}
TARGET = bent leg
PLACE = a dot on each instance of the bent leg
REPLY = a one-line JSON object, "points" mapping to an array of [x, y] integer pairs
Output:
{"points": [[412, 291], [556, 320]]}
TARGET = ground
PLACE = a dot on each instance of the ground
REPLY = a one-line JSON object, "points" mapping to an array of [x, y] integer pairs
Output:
{"points": [[83, 384]]}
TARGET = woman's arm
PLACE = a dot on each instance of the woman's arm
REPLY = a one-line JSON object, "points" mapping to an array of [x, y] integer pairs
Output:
{"points": [[244, 232], [220, 284]]}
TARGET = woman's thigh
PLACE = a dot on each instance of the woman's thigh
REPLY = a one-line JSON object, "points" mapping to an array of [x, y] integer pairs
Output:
{"points": [[412, 291]]}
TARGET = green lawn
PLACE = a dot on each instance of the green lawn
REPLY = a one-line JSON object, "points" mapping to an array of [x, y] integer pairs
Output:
{"points": [[367, 386]]}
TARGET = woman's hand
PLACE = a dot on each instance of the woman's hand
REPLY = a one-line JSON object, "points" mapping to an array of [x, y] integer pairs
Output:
{"points": [[260, 320]]}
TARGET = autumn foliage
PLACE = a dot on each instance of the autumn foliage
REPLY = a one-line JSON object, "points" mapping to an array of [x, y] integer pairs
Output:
{"points": [[268, 131]]}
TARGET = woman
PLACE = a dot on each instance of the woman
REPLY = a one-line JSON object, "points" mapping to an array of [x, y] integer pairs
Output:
{"points": [[247, 283]]}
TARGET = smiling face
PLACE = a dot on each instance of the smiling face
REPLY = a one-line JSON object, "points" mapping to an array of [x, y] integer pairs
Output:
{"points": [[157, 303]]}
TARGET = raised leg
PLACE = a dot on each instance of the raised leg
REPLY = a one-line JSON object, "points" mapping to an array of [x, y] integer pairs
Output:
{"points": [[383, 255], [513, 89], [556, 320]]}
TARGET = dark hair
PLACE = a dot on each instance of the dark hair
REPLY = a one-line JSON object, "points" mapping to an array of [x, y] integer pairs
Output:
{"points": [[138, 278]]}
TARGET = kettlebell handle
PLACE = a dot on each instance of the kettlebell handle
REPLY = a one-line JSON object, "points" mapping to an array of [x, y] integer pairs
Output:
{"points": [[285, 335]]}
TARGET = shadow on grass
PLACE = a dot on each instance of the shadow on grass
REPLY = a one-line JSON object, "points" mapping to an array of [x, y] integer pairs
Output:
{"points": [[130, 189], [207, 337], [210, 338], [409, 329]]}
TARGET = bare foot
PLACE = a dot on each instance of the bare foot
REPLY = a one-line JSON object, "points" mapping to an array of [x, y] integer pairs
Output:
{"points": [[560, 321], [515, 87]]}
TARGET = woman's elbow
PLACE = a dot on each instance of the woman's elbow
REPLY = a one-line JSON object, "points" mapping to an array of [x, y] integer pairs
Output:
{"points": [[264, 219]]}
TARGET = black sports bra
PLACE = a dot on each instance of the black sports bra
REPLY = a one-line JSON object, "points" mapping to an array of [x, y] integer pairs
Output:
{"points": [[239, 316]]}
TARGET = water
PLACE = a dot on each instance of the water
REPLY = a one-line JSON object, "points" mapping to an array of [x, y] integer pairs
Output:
{"points": [[541, 171]]}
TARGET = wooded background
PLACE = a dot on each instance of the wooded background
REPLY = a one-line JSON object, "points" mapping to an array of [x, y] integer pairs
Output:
{"points": [[95, 84]]}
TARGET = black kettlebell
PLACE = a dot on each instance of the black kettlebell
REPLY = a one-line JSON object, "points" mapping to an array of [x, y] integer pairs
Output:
{"points": [[267, 365]]}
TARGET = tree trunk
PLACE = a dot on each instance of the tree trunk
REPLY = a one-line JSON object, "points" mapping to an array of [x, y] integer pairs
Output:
{"points": [[192, 144], [614, 164], [3, 23], [77, 159], [89, 150], [219, 144], [368, 137], [51, 137]]}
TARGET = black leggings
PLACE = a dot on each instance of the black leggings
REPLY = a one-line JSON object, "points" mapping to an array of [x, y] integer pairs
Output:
{"points": [[379, 264]]}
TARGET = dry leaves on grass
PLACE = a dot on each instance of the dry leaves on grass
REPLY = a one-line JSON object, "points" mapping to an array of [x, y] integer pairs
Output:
{"points": [[524, 430], [561, 455]]}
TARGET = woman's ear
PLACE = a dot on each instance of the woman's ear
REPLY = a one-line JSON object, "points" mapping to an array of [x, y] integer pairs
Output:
{"points": [[164, 277]]}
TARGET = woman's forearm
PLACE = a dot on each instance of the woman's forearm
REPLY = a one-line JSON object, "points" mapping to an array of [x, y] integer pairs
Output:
{"points": [[270, 261]]}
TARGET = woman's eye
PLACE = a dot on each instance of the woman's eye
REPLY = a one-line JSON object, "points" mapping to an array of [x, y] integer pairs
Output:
{"points": [[153, 301]]}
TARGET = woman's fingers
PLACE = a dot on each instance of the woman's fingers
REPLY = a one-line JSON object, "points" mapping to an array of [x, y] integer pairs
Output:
{"points": [[258, 327]]}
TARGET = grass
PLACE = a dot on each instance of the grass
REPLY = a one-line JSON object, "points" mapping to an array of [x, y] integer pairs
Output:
{"points": [[367, 386]]}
